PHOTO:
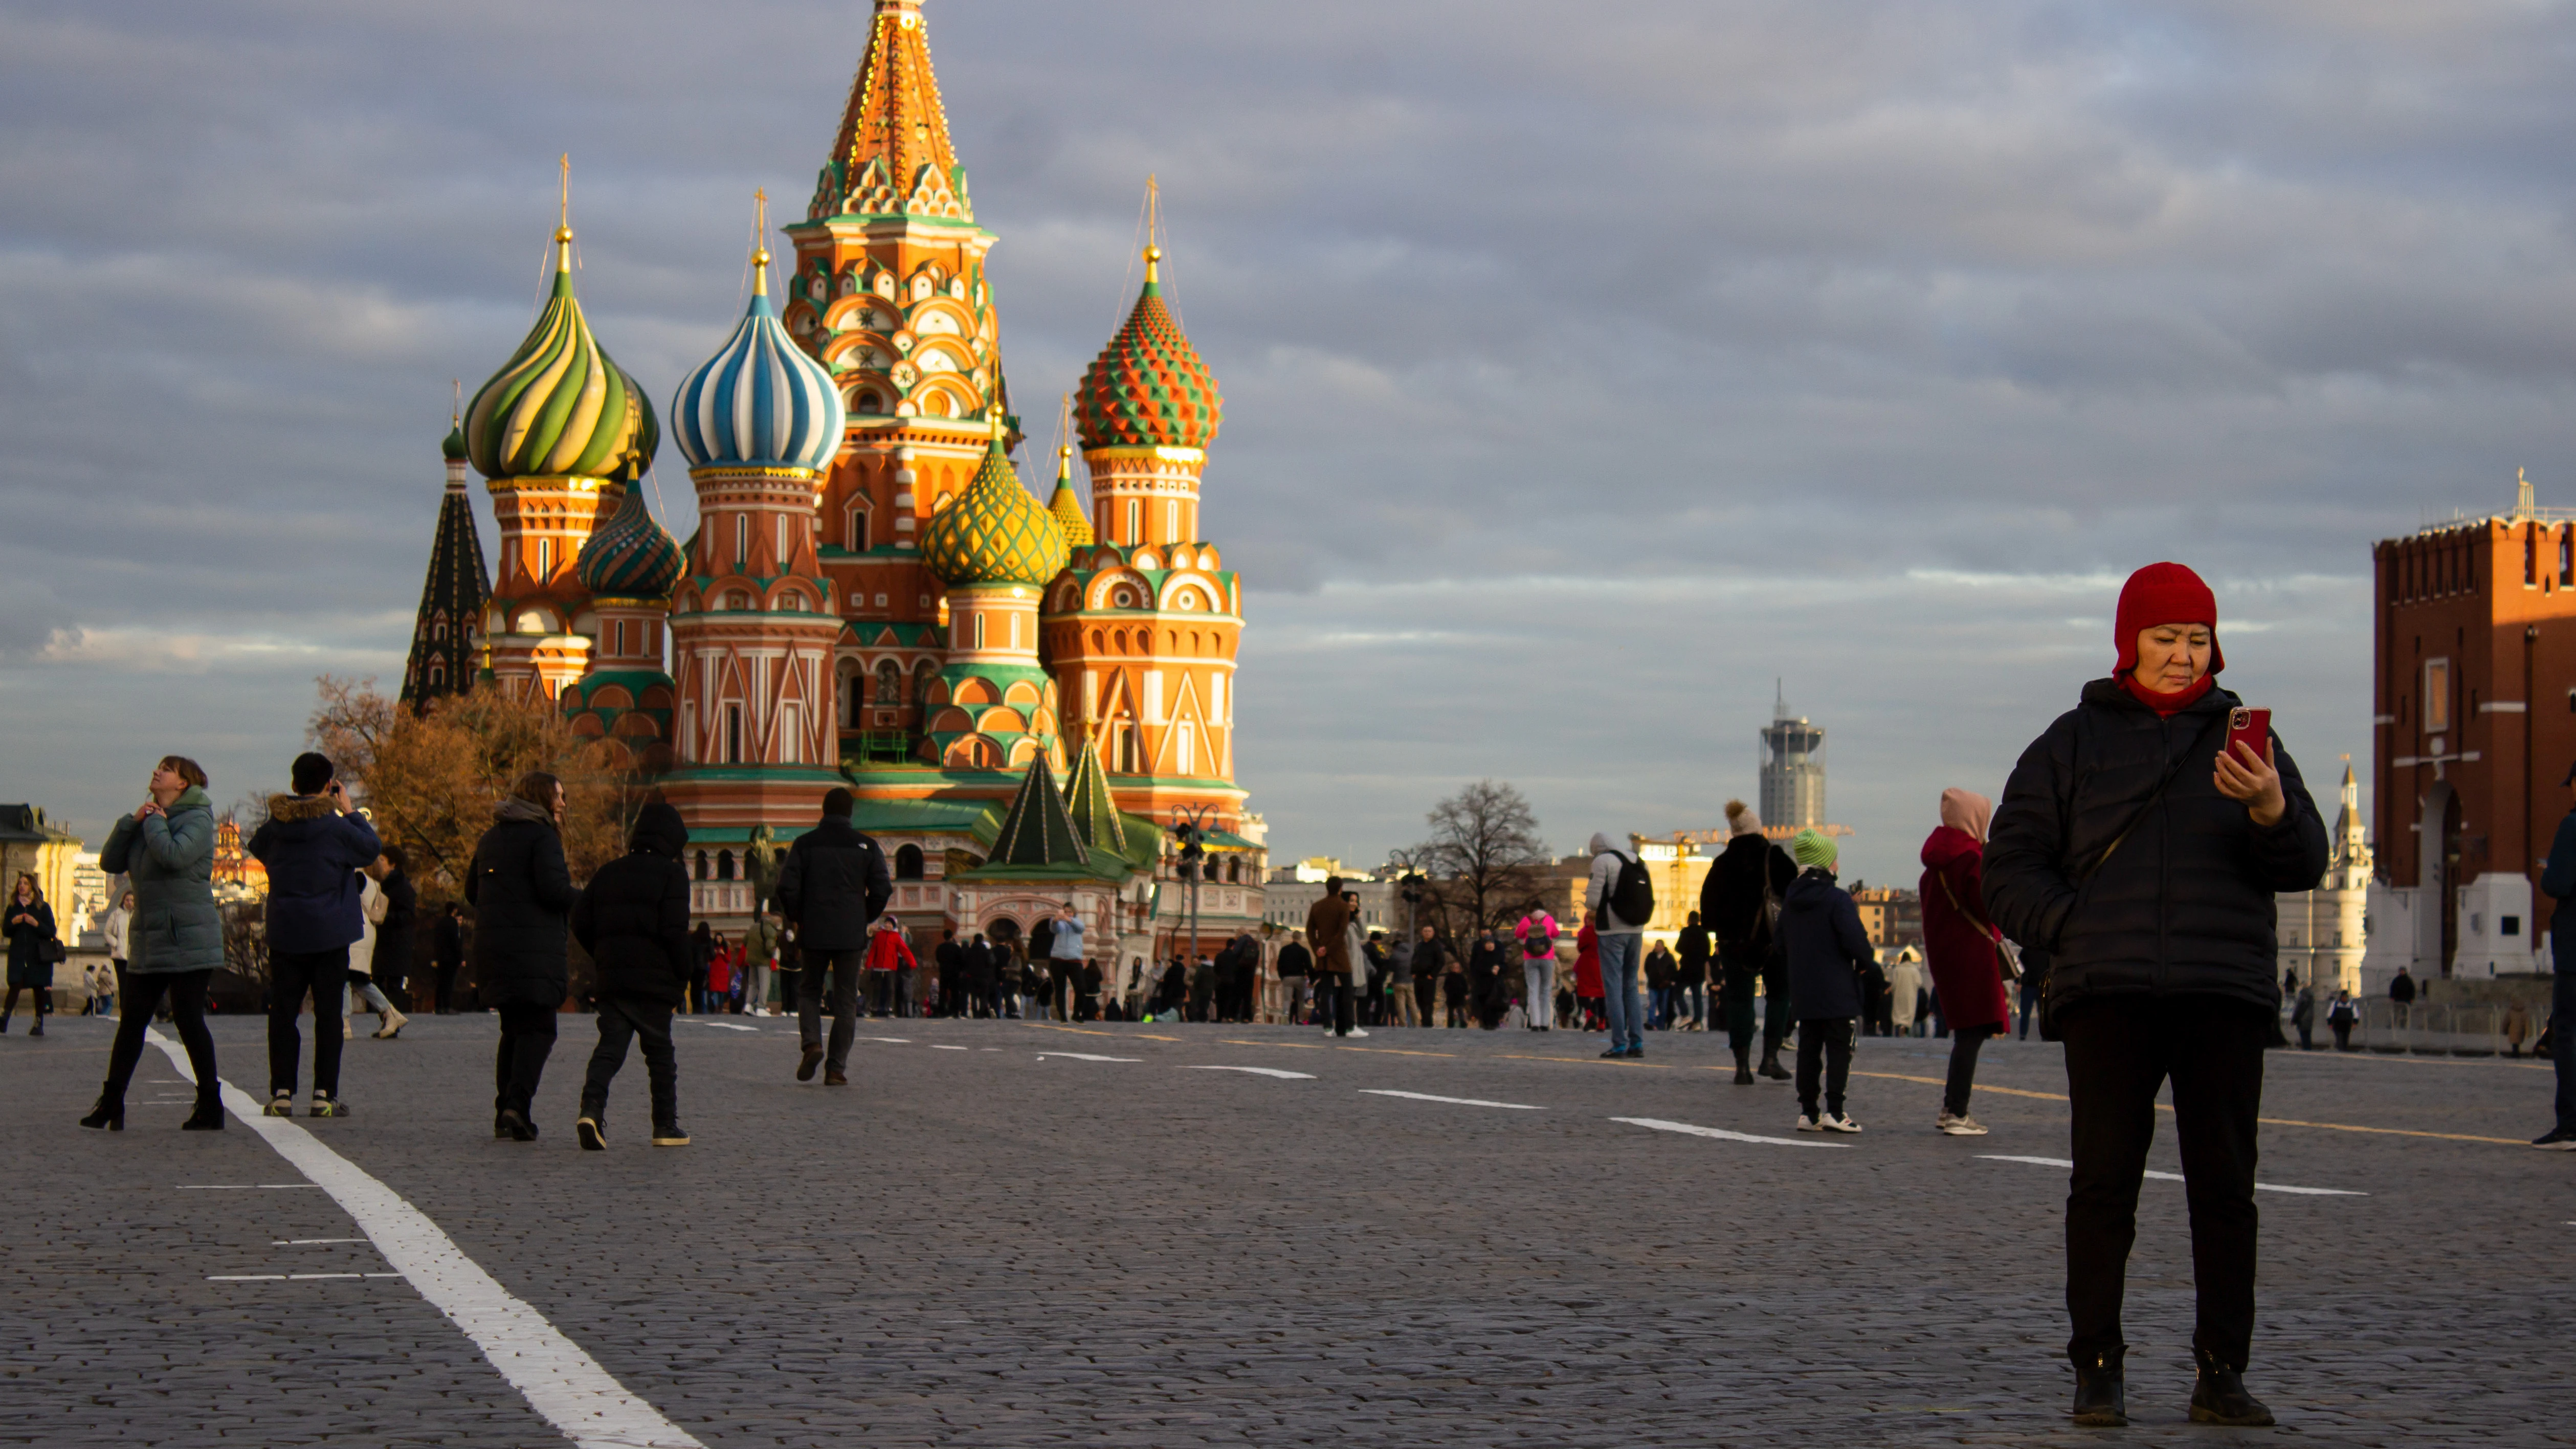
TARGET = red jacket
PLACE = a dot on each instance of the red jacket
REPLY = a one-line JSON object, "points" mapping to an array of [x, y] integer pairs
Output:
{"points": [[1587, 962], [1956, 934], [887, 952]]}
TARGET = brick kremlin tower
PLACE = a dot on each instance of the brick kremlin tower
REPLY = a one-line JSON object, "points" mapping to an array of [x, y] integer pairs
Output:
{"points": [[452, 598], [557, 434]]}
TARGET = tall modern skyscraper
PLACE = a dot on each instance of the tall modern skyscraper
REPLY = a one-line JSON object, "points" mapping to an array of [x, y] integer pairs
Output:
{"points": [[1793, 770]]}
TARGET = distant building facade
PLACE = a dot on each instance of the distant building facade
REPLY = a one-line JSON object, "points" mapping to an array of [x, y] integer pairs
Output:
{"points": [[2324, 933], [29, 842]]}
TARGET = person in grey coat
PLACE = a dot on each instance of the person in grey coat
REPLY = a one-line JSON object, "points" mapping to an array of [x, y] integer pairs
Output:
{"points": [[174, 941]]}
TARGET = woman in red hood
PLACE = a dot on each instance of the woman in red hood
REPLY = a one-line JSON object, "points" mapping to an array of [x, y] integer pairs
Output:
{"points": [[1966, 950]]}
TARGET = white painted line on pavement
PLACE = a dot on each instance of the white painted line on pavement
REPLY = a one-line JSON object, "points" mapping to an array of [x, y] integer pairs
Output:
{"points": [[902, 1040], [1087, 1057], [558, 1380], [245, 1277], [1721, 1133], [2178, 1177], [300, 1277], [1460, 1101], [300, 1242], [1258, 1072], [719, 1025], [938, 1047]]}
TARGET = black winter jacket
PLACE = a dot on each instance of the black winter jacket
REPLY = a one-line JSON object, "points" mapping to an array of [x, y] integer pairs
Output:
{"points": [[834, 883], [633, 917], [521, 893], [1827, 950], [2184, 904], [1730, 899]]}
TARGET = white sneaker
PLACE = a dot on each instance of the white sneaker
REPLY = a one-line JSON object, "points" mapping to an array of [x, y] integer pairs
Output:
{"points": [[1356, 1031], [1809, 1124], [1833, 1123], [1962, 1126]]}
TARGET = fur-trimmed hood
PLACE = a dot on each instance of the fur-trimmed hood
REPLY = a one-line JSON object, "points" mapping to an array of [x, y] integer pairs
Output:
{"points": [[298, 807]]}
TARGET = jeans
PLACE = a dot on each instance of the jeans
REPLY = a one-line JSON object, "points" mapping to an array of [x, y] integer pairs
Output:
{"points": [[1824, 1042], [1696, 997], [187, 994], [1963, 1067], [364, 988], [1619, 984], [843, 967], [527, 1039], [1540, 975], [623, 1019], [2562, 1047], [2117, 1055], [290, 975]]}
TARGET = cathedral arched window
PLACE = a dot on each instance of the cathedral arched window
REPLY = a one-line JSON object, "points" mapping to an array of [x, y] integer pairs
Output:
{"points": [[856, 534], [889, 682], [702, 865], [724, 865], [907, 863], [922, 674]]}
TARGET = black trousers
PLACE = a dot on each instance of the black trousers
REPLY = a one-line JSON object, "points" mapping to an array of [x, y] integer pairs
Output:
{"points": [[2118, 1053], [623, 1019], [1334, 994], [290, 975], [843, 967], [138, 996], [1963, 1067], [444, 975], [527, 1039], [1775, 1001], [1825, 1043]]}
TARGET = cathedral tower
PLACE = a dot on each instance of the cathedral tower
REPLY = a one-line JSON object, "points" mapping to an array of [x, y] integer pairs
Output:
{"points": [[558, 432], [629, 567], [754, 623], [993, 706], [452, 597], [888, 290]]}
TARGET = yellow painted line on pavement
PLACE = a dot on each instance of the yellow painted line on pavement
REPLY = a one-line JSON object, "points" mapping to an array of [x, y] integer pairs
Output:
{"points": [[1589, 1061], [1087, 1031], [2166, 1107], [1303, 1046], [1393, 1051]]}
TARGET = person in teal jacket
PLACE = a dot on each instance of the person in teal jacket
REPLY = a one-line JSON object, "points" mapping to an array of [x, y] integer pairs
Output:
{"points": [[174, 942]]}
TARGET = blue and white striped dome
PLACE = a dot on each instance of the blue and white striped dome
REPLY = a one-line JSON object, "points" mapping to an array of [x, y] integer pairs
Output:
{"points": [[761, 401]]}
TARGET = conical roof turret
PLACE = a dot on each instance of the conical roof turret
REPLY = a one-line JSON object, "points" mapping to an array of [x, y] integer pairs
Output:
{"points": [[1038, 830], [560, 406], [1066, 505], [995, 533], [1148, 388], [1095, 813]]}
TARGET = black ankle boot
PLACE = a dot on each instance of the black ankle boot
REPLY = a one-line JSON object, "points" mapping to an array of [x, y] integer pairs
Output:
{"points": [[2219, 1396], [1771, 1066], [1744, 1067], [109, 1113], [2102, 1391], [209, 1116]]}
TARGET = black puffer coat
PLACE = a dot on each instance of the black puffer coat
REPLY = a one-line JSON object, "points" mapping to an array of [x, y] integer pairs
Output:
{"points": [[633, 917], [2184, 905], [834, 883], [1731, 898], [521, 893]]}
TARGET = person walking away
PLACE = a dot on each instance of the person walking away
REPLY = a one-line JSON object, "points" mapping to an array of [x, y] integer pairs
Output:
{"points": [[833, 886], [394, 934], [1617, 905], [1904, 985], [702, 961], [2401, 994], [446, 954], [2341, 1014], [1587, 979], [1296, 969], [1740, 901], [633, 919], [1537, 934], [949, 957], [312, 844], [166, 848], [372, 909], [1431, 963], [2558, 882], [2303, 1016], [1064, 958], [118, 931], [33, 949], [1328, 925], [1822, 937], [1966, 951], [523, 897], [1690, 976], [1663, 976], [2145, 854]]}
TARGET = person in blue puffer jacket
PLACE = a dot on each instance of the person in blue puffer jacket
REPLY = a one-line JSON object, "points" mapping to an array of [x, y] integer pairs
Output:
{"points": [[313, 843]]}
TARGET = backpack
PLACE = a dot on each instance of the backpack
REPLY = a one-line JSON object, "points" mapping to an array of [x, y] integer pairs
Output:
{"points": [[1541, 941], [1632, 896]]}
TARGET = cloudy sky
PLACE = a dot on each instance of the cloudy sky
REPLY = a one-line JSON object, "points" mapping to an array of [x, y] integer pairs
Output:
{"points": [[1587, 368]]}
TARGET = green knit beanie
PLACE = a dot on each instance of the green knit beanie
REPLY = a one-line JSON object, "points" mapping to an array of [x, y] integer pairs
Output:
{"points": [[1811, 848]]}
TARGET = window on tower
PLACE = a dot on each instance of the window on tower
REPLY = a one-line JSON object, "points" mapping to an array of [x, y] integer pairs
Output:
{"points": [[889, 682], [741, 540]]}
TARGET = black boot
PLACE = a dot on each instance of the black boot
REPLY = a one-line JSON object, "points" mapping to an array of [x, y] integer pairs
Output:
{"points": [[1771, 1064], [209, 1116], [109, 1113], [2219, 1396], [2102, 1391], [1744, 1066]]}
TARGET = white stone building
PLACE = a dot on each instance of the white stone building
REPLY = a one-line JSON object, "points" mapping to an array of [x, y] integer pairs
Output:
{"points": [[2324, 932]]}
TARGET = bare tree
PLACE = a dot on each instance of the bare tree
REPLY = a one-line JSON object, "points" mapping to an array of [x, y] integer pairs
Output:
{"points": [[1484, 855]]}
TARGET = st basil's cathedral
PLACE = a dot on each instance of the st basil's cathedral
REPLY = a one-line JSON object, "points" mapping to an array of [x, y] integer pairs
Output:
{"points": [[1026, 699]]}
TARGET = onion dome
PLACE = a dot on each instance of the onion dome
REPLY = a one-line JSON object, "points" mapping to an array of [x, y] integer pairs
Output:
{"points": [[1148, 389], [1065, 505], [995, 533], [559, 406], [630, 556], [454, 447], [761, 401]]}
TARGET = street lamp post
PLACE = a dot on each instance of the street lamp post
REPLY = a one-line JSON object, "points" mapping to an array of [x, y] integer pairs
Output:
{"points": [[1191, 831]]}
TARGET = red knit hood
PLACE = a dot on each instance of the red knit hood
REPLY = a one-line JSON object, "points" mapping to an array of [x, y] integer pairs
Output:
{"points": [[2164, 593], [1945, 844]]}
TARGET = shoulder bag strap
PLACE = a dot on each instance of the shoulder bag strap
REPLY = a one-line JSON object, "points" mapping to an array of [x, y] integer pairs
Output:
{"points": [[2173, 772]]}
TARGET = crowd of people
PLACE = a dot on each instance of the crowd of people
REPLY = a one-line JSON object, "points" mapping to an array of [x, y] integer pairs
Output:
{"points": [[2135, 857]]}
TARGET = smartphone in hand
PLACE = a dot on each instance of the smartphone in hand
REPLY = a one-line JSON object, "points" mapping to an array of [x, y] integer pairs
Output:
{"points": [[2251, 728]]}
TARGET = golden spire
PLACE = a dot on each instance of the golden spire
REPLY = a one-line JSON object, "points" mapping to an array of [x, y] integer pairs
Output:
{"points": [[760, 243], [1153, 230], [456, 411], [563, 219]]}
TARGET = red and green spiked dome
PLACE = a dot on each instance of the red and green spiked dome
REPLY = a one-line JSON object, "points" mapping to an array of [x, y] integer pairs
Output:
{"points": [[995, 533], [631, 556], [560, 407], [1148, 388]]}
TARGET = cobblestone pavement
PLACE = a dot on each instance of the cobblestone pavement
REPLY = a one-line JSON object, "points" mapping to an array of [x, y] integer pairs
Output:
{"points": [[1010, 1243]]}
